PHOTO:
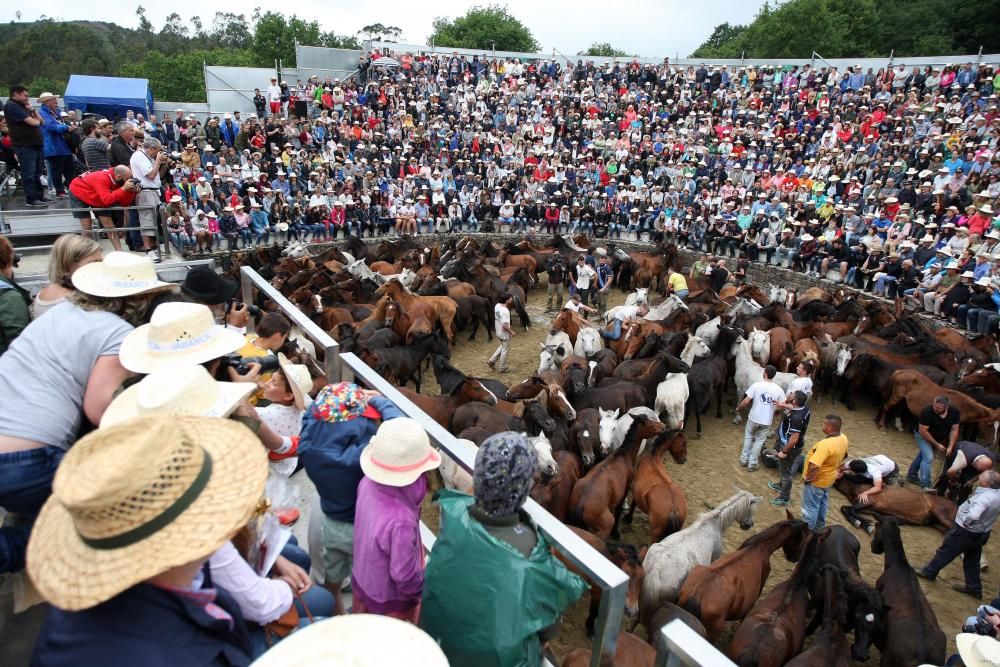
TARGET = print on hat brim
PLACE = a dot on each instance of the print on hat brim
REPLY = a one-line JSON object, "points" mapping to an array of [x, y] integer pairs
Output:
{"points": [[136, 356]]}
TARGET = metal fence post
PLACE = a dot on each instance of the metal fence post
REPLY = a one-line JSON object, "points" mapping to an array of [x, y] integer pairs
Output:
{"points": [[680, 645]]}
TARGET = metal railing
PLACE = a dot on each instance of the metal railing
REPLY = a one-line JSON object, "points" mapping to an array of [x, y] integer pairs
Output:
{"points": [[680, 645], [65, 223], [348, 367]]}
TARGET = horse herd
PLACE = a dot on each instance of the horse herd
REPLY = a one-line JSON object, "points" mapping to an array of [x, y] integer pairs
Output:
{"points": [[603, 415]]}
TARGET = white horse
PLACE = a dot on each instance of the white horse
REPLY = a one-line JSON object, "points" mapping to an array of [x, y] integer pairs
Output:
{"points": [[639, 296], [742, 307], [776, 294], [709, 331], [672, 394], [624, 423], [298, 250], [588, 342], [760, 346], [606, 429], [543, 448], [453, 475], [555, 349], [669, 561], [749, 371], [662, 310], [362, 271]]}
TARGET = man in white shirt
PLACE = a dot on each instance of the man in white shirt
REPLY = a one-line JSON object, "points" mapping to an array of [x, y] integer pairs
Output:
{"points": [[274, 96], [501, 313], [763, 398], [585, 276], [879, 469], [577, 306], [148, 164]]}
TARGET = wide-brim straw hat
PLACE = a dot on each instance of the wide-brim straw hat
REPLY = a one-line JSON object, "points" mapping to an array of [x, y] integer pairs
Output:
{"points": [[187, 390], [179, 333], [299, 381], [135, 500], [399, 453], [978, 650], [359, 640], [119, 274]]}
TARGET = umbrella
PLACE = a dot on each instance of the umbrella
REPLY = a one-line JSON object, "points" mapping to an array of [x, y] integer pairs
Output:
{"points": [[386, 61]]}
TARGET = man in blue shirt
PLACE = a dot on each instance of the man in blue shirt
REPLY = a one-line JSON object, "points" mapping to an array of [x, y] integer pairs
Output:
{"points": [[605, 276], [58, 157]]}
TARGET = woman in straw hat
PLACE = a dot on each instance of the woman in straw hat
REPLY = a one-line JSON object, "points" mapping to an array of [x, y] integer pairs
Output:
{"points": [[66, 368], [494, 592], [388, 572], [69, 253], [136, 510]]}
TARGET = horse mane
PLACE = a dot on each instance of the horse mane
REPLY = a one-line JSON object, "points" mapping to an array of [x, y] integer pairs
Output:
{"points": [[765, 534], [662, 438], [726, 512], [637, 421]]}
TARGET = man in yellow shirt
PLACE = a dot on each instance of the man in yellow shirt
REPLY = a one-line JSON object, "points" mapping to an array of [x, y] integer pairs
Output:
{"points": [[676, 283], [820, 472]]}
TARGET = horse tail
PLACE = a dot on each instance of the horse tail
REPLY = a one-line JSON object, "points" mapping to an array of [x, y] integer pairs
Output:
{"points": [[490, 316], [675, 522]]}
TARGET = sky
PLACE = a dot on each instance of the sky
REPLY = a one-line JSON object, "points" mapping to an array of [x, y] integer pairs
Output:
{"points": [[645, 27]]}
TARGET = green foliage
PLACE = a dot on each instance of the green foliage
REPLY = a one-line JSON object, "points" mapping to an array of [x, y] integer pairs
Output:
{"points": [[381, 33], [482, 28], [275, 37], [179, 78], [604, 49], [860, 28]]}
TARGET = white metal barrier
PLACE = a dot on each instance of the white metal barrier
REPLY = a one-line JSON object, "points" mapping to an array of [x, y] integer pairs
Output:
{"points": [[348, 367], [680, 645]]}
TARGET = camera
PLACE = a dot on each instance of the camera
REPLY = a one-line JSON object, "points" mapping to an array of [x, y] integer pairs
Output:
{"points": [[253, 310], [242, 364]]}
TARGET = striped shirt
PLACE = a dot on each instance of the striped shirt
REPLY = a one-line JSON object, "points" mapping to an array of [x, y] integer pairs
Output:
{"points": [[95, 153]]}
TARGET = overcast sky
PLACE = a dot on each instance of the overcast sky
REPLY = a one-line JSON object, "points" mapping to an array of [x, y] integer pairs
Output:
{"points": [[645, 27]]}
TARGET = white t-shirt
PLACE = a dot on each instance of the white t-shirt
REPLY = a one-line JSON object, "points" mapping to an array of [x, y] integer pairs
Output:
{"points": [[274, 93], [141, 165], [573, 305], [502, 317], [627, 313], [584, 274], [803, 384], [879, 466], [764, 394]]}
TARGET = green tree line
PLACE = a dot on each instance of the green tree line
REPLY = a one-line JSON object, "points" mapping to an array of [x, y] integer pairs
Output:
{"points": [[859, 28], [43, 54]]}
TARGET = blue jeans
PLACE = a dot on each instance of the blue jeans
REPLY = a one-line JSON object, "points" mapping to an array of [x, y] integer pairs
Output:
{"points": [[921, 466], [681, 293], [29, 158], [987, 322], [616, 330], [814, 504], [25, 484]]}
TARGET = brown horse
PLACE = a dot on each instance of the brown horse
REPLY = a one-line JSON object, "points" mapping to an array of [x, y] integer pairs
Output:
{"points": [[912, 635], [829, 645], [554, 494], [804, 350], [782, 347], [623, 556], [918, 392], [906, 505], [599, 496], [775, 629], [441, 407], [629, 652], [633, 338], [666, 612], [728, 588], [753, 293], [443, 307], [526, 262], [407, 325], [551, 395], [654, 492], [568, 322], [988, 378]]}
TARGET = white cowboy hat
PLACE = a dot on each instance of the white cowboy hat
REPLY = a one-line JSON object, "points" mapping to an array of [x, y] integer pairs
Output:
{"points": [[45, 97], [978, 650], [185, 390], [968, 274], [399, 453], [807, 237], [299, 381], [984, 282], [118, 274], [360, 640], [987, 209], [282, 226], [178, 333]]}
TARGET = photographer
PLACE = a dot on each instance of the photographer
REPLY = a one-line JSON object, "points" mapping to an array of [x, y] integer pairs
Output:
{"points": [[203, 285], [99, 190], [149, 164]]}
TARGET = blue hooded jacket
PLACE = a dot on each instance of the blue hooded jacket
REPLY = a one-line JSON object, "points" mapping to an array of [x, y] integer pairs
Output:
{"points": [[331, 455], [53, 130]]}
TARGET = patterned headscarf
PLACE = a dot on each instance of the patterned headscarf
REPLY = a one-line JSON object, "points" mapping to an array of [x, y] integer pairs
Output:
{"points": [[342, 402], [504, 473]]}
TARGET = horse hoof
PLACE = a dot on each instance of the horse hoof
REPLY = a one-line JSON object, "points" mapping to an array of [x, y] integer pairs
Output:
{"points": [[857, 524], [870, 530], [698, 435]]}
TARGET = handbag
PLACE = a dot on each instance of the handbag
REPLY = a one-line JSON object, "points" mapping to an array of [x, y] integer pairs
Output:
{"points": [[286, 623]]}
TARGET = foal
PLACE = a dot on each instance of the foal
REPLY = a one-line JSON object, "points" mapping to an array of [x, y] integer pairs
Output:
{"points": [[654, 492]]}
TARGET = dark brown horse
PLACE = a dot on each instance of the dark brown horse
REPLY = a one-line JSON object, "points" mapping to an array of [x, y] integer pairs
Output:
{"points": [[598, 497], [585, 436], [661, 498], [912, 635], [629, 652], [440, 408], [775, 629], [829, 645], [906, 505], [666, 612], [728, 588]]}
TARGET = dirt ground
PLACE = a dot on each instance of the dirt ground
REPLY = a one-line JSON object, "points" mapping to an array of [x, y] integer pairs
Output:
{"points": [[712, 470]]}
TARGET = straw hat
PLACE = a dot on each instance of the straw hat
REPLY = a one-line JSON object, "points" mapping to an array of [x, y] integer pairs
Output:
{"points": [[132, 501], [45, 97], [178, 333], [399, 453], [978, 650], [187, 390], [361, 640], [299, 381], [118, 274]]}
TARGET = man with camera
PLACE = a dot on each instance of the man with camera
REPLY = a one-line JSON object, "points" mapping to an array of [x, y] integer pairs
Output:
{"points": [[148, 164], [96, 191]]}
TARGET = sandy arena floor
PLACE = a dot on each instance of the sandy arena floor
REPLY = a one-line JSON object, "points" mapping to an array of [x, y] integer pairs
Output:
{"points": [[712, 470]]}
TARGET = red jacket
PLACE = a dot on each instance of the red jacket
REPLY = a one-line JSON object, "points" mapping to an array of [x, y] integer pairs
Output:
{"points": [[98, 188]]}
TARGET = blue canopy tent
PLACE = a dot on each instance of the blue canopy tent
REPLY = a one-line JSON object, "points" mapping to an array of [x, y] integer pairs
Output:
{"points": [[109, 96]]}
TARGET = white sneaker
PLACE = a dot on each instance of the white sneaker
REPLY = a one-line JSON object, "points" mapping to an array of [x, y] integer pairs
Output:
{"points": [[153, 255]]}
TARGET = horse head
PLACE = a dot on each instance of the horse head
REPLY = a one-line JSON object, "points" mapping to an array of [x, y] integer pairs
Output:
{"points": [[557, 397], [606, 429], [476, 391], [547, 465], [844, 354]]}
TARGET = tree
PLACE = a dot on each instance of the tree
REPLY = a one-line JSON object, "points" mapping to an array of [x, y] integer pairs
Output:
{"points": [[381, 33], [275, 37], [484, 28], [603, 49], [723, 34], [180, 77], [144, 24], [231, 30], [334, 41]]}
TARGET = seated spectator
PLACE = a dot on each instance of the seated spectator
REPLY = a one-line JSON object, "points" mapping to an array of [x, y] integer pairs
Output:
{"points": [[488, 548], [119, 575], [69, 253], [14, 299]]}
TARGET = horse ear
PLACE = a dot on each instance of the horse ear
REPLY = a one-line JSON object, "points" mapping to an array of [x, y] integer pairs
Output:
{"points": [[788, 515]]}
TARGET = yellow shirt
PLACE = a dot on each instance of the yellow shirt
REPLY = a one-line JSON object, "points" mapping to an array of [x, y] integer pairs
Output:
{"points": [[677, 281], [828, 454]]}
